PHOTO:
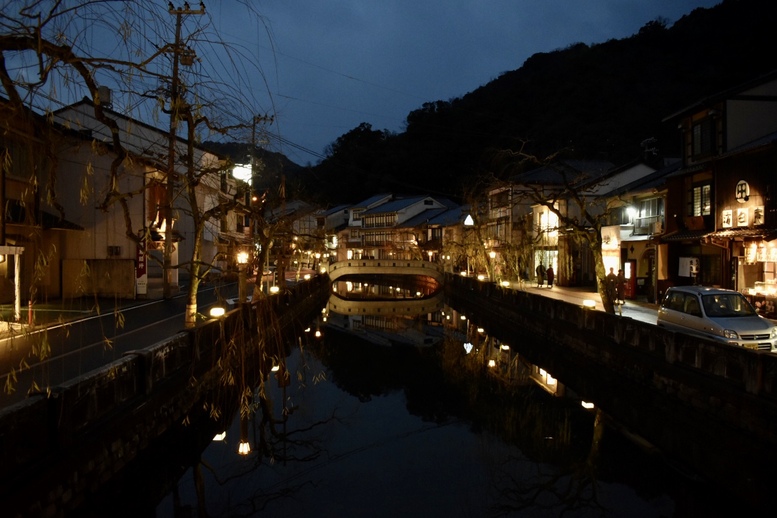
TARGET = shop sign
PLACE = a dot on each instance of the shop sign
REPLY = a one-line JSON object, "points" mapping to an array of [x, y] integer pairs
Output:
{"points": [[760, 254], [742, 191], [727, 218], [689, 266], [141, 271], [741, 217], [750, 254], [758, 215]]}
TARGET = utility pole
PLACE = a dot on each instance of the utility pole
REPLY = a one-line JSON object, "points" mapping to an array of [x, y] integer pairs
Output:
{"points": [[185, 57]]}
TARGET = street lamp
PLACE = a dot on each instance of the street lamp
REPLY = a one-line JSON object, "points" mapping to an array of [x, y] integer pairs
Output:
{"points": [[242, 261]]}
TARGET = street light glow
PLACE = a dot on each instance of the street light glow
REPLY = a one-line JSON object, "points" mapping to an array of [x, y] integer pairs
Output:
{"points": [[244, 448]]}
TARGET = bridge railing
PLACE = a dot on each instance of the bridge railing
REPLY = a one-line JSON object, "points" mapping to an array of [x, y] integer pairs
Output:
{"points": [[386, 266]]}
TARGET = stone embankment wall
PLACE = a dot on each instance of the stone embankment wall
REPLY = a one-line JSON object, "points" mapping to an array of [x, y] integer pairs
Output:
{"points": [[56, 450], [709, 406]]}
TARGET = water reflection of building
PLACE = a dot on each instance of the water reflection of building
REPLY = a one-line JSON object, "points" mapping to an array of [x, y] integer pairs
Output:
{"points": [[385, 287], [418, 331], [388, 321], [498, 357]]}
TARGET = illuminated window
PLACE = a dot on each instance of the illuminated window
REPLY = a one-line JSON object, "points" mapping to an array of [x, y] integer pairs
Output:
{"points": [[700, 200]]}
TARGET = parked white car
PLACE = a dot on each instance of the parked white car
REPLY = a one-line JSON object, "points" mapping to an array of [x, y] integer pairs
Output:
{"points": [[723, 315]]}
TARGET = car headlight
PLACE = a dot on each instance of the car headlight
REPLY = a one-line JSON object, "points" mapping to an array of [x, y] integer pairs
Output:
{"points": [[773, 334], [730, 334]]}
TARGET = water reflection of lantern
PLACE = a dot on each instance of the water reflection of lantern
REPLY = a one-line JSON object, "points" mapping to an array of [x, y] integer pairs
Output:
{"points": [[244, 448]]}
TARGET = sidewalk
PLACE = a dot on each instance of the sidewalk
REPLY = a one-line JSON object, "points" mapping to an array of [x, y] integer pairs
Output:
{"points": [[638, 310]]}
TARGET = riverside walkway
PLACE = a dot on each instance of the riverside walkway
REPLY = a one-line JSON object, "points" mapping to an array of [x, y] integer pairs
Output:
{"points": [[638, 310], [55, 313]]}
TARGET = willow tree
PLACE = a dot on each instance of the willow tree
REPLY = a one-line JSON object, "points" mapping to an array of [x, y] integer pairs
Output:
{"points": [[572, 196], [161, 64]]}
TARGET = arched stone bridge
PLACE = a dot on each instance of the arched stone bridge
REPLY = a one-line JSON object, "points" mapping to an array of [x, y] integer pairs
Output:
{"points": [[385, 267]]}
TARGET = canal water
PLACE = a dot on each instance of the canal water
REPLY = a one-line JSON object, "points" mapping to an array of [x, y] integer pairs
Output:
{"points": [[381, 415]]}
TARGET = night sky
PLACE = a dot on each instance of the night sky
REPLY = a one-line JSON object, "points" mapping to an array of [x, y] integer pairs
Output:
{"points": [[330, 65]]}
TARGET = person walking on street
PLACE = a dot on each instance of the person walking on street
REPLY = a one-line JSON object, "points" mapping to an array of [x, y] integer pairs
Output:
{"points": [[550, 274], [540, 275], [610, 285], [621, 286]]}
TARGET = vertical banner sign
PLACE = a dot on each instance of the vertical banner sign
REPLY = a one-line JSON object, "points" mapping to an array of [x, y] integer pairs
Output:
{"points": [[141, 272]]}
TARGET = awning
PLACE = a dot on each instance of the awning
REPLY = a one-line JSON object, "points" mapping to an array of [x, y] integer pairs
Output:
{"points": [[637, 237], [685, 235], [766, 234]]}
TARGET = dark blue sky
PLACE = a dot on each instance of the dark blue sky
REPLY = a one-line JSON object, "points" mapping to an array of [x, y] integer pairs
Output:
{"points": [[331, 65]]}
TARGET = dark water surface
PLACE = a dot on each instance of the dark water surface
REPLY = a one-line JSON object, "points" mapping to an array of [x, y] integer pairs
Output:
{"points": [[365, 428]]}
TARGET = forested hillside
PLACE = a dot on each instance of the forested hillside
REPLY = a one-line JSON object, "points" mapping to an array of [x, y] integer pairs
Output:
{"points": [[593, 101]]}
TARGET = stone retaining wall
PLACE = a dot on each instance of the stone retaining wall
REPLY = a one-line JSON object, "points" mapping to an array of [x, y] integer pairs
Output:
{"points": [[709, 406], [57, 449]]}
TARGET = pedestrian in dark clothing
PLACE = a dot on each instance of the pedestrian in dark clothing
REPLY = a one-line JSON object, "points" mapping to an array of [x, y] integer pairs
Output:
{"points": [[550, 275], [621, 285], [540, 275], [610, 284]]}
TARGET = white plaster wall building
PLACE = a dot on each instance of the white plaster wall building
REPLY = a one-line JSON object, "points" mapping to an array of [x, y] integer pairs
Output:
{"points": [[104, 246]]}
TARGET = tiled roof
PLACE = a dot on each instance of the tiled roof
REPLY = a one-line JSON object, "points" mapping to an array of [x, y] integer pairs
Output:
{"points": [[393, 205], [685, 235], [763, 233]]}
